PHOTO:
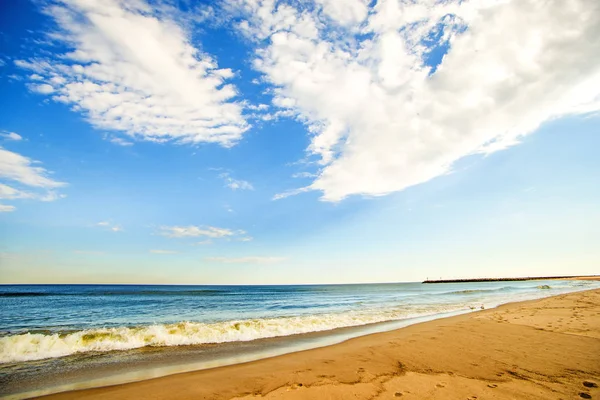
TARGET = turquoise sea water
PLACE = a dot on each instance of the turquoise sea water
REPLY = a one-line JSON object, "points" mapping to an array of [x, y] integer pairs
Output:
{"points": [[40, 325]]}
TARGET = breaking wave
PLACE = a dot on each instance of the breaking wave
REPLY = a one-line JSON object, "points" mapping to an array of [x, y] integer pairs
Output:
{"points": [[497, 290], [473, 291], [36, 346]]}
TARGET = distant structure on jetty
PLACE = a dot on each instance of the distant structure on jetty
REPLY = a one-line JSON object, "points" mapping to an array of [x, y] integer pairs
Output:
{"points": [[529, 278]]}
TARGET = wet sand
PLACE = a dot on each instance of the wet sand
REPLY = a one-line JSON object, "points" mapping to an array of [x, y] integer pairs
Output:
{"points": [[541, 349]]}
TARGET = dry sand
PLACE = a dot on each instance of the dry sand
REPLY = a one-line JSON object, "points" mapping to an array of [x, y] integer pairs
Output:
{"points": [[542, 349]]}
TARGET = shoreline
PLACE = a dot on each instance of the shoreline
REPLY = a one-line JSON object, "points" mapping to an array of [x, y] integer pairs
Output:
{"points": [[187, 356], [369, 362]]}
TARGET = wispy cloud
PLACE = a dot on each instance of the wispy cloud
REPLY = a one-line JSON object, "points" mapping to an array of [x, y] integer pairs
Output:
{"points": [[132, 67], [246, 260], [291, 192], [110, 226], [23, 172], [18, 168], [235, 184], [7, 208], [11, 136], [8, 192], [89, 252], [119, 141], [199, 231], [163, 252], [304, 175]]}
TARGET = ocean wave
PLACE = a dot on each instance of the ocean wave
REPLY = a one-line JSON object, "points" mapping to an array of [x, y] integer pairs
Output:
{"points": [[473, 291], [36, 346], [497, 290]]}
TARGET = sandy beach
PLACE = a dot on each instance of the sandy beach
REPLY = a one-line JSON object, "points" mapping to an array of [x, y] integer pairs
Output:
{"points": [[541, 349]]}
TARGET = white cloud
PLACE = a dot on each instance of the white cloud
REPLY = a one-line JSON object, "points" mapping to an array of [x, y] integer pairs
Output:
{"points": [[16, 167], [51, 196], [382, 119], [11, 136], [258, 107], [7, 208], [110, 226], [291, 192], [196, 231], [163, 252], [235, 184], [8, 192], [345, 12], [304, 175], [132, 68], [120, 141], [43, 88], [21, 171], [246, 260]]}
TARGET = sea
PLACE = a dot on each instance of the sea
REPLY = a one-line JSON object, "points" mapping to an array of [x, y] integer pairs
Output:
{"points": [[62, 337]]}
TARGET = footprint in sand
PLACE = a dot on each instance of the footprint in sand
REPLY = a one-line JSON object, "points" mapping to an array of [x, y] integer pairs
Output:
{"points": [[584, 395], [441, 385], [397, 394], [492, 385], [589, 384]]}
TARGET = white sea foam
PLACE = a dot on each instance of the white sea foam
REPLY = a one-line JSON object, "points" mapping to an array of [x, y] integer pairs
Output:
{"points": [[36, 346]]}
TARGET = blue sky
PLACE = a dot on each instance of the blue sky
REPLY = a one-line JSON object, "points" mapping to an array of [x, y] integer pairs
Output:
{"points": [[259, 142]]}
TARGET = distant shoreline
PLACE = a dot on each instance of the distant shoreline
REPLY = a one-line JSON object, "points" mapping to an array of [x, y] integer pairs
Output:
{"points": [[529, 278]]}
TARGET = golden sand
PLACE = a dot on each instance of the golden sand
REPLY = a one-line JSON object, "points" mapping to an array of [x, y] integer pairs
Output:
{"points": [[542, 349]]}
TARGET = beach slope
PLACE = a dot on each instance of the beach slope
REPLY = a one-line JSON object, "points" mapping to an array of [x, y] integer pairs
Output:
{"points": [[542, 349]]}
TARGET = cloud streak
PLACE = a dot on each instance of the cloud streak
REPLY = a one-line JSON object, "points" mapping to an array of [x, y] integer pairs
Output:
{"points": [[246, 260], [199, 231], [23, 172], [7, 208], [110, 226], [18, 168], [11, 136]]}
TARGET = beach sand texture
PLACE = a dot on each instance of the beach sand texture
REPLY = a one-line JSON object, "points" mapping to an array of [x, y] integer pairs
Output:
{"points": [[541, 349]]}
